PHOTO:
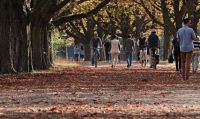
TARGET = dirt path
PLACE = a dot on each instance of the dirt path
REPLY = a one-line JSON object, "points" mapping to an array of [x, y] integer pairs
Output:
{"points": [[87, 92]]}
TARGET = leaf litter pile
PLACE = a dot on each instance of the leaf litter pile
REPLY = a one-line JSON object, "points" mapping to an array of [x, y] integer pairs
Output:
{"points": [[103, 92]]}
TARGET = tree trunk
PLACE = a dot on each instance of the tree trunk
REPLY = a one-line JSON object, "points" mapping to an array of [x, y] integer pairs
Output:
{"points": [[87, 52], [24, 50], [13, 37], [6, 63], [166, 44], [40, 45]]}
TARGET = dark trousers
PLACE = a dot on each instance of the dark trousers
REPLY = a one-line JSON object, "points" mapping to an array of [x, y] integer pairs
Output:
{"points": [[108, 56], [95, 50], [76, 57], [177, 58]]}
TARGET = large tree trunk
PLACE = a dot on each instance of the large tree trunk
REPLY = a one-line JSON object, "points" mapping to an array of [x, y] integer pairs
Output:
{"points": [[24, 49], [13, 37], [87, 52], [166, 44], [6, 63], [40, 45]]}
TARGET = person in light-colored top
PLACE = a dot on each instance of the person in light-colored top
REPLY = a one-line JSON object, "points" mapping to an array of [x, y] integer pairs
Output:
{"points": [[76, 52], [115, 50], [82, 53], [186, 36], [195, 56]]}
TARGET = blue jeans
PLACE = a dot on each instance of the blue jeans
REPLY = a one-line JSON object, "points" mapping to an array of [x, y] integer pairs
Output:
{"points": [[129, 58], [108, 56]]}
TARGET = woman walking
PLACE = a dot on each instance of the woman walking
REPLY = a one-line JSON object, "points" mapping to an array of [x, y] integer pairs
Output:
{"points": [[115, 50]]}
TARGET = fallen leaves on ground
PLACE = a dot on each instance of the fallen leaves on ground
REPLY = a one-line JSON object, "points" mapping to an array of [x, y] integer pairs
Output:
{"points": [[104, 92]]}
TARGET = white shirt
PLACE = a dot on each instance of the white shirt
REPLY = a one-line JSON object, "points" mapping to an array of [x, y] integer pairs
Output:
{"points": [[115, 46]]}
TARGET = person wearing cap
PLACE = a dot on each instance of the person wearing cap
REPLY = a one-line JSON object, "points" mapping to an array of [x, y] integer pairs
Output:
{"points": [[186, 36], [153, 44]]}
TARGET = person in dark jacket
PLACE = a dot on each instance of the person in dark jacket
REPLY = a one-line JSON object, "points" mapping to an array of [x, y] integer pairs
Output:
{"points": [[153, 40], [153, 44], [107, 47], [128, 48], [177, 55], [142, 43], [95, 45]]}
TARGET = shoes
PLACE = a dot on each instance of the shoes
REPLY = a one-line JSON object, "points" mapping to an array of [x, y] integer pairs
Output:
{"points": [[128, 66], [194, 71], [184, 78]]}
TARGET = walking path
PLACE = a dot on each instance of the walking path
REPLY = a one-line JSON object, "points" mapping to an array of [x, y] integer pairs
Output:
{"points": [[103, 92]]}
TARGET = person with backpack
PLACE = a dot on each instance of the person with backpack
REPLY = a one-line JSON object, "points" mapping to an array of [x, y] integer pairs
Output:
{"points": [[153, 45]]}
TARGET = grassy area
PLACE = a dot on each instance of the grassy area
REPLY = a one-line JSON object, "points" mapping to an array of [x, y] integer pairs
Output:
{"points": [[58, 65]]}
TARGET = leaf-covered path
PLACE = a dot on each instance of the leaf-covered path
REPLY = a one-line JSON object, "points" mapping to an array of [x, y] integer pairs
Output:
{"points": [[103, 92]]}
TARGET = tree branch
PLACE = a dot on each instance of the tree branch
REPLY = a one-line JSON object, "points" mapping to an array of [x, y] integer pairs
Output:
{"points": [[59, 6], [76, 29], [156, 5], [65, 19], [150, 14]]}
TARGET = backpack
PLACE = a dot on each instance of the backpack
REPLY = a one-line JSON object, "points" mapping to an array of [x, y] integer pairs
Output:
{"points": [[170, 58]]}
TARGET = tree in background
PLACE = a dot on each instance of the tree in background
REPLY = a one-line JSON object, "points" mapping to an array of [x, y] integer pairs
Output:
{"points": [[127, 19], [172, 13], [25, 35]]}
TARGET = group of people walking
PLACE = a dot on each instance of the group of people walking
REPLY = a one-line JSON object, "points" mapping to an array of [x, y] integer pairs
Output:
{"points": [[113, 47], [186, 48], [78, 52]]}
